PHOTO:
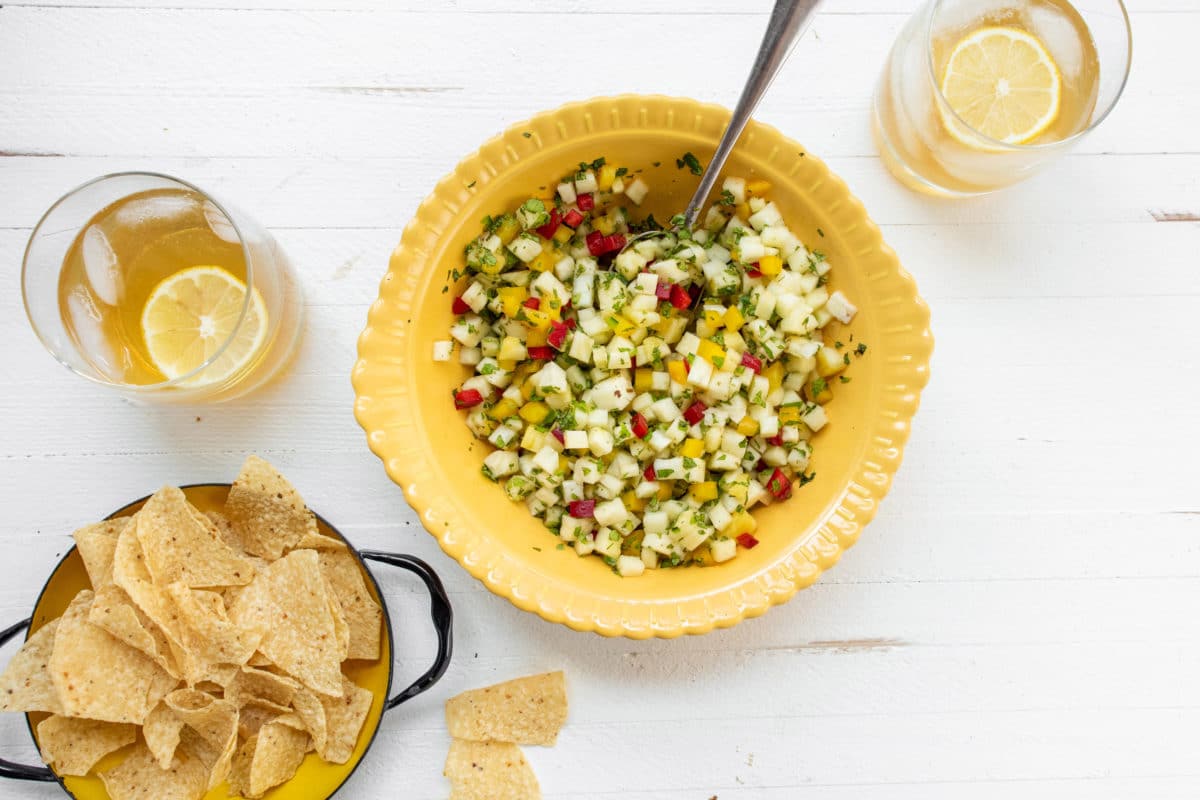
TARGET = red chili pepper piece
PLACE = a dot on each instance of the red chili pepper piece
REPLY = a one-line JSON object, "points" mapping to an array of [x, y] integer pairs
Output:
{"points": [[663, 290], [586, 202], [639, 426], [776, 440], [547, 230], [558, 334], [595, 243], [779, 486], [614, 241], [649, 473], [747, 541], [572, 218], [558, 434], [467, 398], [695, 412], [680, 298], [582, 509], [570, 323], [459, 306], [752, 362], [543, 353], [533, 302], [753, 272]]}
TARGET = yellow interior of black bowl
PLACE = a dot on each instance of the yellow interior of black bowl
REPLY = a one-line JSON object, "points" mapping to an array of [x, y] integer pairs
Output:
{"points": [[316, 779], [404, 398]]}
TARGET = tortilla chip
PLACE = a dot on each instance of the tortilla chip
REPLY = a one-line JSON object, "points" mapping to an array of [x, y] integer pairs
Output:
{"points": [[315, 540], [139, 777], [180, 548], [251, 718], [73, 746], [207, 631], [524, 711], [96, 545], [311, 712], [114, 611], [26, 684], [489, 771], [364, 616], [341, 629], [97, 676], [269, 515], [344, 718], [161, 732], [251, 684], [290, 604], [268, 759]]}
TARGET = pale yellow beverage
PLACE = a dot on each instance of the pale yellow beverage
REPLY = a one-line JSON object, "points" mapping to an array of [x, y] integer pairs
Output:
{"points": [[159, 291], [976, 94]]}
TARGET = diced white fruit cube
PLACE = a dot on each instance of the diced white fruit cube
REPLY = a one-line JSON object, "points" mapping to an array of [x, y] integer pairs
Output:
{"points": [[566, 190], [840, 307], [575, 440], [501, 463], [611, 512], [600, 441], [722, 550], [442, 350], [630, 566], [636, 190], [608, 543], [526, 247], [736, 187]]}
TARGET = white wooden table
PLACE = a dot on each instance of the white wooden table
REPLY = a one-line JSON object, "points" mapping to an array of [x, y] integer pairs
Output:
{"points": [[1020, 620]]}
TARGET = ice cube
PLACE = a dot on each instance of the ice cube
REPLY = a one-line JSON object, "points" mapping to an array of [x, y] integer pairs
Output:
{"points": [[87, 324], [100, 265], [220, 224], [156, 209]]}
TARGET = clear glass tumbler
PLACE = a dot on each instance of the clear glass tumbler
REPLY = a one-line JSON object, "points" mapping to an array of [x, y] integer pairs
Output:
{"points": [[147, 284], [976, 95]]}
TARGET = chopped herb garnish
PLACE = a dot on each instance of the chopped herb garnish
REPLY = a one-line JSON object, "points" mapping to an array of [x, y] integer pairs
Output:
{"points": [[691, 162], [844, 379], [526, 134], [860, 350]]}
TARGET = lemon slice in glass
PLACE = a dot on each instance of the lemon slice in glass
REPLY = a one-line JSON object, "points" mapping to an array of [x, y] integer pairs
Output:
{"points": [[1004, 84], [191, 314]]}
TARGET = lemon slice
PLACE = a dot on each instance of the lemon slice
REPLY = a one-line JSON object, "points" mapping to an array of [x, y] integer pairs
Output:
{"points": [[191, 314], [1004, 84]]}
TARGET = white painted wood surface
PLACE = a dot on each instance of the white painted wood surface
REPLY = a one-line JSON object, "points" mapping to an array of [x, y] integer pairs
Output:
{"points": [[1020, 620]]}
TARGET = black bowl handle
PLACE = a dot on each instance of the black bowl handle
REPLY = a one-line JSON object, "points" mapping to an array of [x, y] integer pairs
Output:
{"points": [[439, 611], [8, 769]]}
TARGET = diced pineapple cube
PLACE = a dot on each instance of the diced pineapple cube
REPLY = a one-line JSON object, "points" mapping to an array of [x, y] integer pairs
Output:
{"points": [[829, 362], [511, 298], [770, 265], [704, 491]]}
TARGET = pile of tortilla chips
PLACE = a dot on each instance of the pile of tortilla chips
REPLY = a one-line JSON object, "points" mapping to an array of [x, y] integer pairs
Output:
{"points": [[485, 762], [209, 648]]}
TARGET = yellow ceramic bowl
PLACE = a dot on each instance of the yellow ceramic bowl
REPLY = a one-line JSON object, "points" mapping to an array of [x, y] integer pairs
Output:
{"points": [[404, 403], [316, 779]]}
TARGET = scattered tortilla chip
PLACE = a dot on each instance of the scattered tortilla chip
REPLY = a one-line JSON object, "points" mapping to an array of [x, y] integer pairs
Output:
{"points": [[524, 711], [490, 771], [73, 746], [315, 540], [26, 684], [97, 676], [364, 616], [290, 603], [207, 631], [311, 712], [96, 545], [251, 684], [268, 759], [139, 777], [344, 717], [180, 548], [268, 513], [161, 732], [114, 611]]}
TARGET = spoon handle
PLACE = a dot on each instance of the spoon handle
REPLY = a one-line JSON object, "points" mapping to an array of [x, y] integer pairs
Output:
{"points": [[789, 20]]}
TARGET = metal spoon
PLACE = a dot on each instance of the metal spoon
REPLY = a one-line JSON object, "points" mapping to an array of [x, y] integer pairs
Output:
{"points": [[789, 19]]}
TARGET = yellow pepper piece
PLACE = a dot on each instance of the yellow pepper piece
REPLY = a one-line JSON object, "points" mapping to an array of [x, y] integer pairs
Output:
{"points": [[502, 410], [774, 374], [692, 448], [494, 268], [666, 489], [758, 186], [552, 307], [508, 229], [508, 365], [564, 464], [741, 209], [734, 319], [537, 338], [790, 415], [605, 177], [620, 325], [818, 391], [511, 298], [714, 318], [711, 352], [632, 501], [534, 412], [535, 318], [528, 388], [563, 234], [830, 361], [739, 490], [545, 260], [743, 522], [678, 372], [748, 426], [703, 492], [643, 379], [770, 265]]}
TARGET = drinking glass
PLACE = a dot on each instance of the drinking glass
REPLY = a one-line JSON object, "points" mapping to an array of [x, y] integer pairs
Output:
{"points": [[931, 147], [104, 249]]}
